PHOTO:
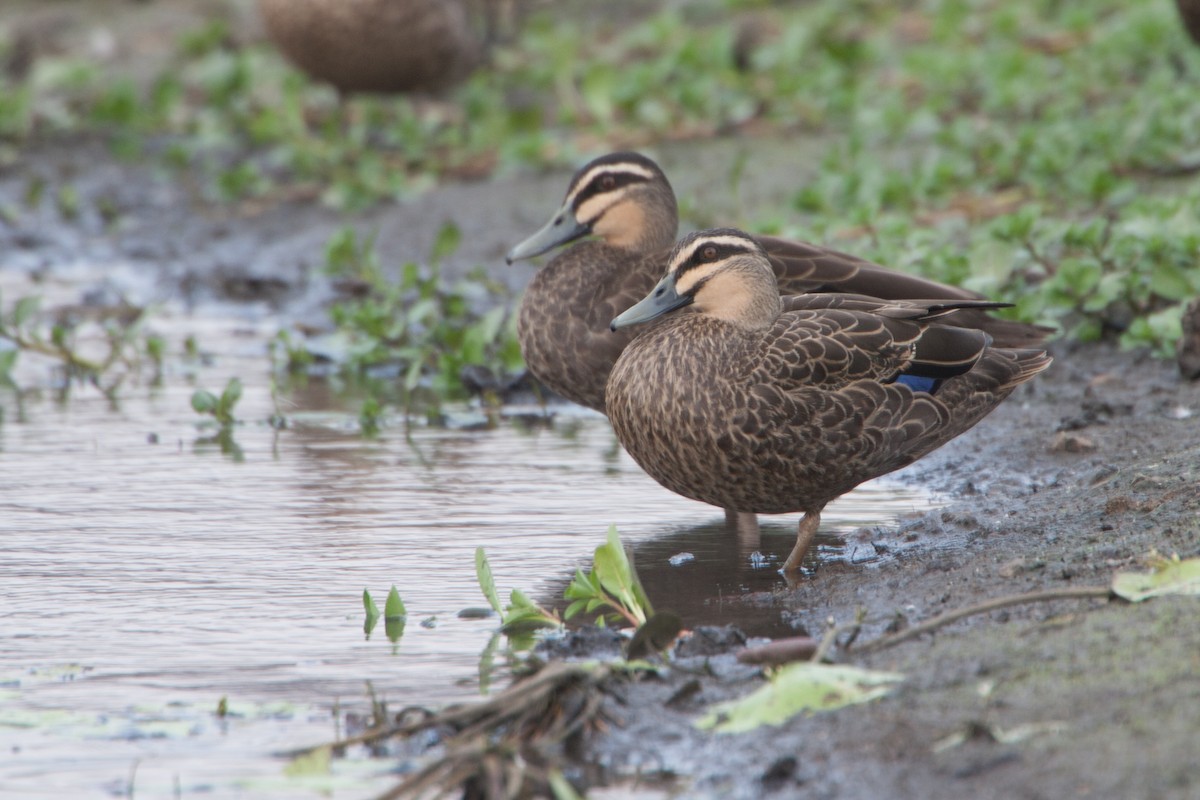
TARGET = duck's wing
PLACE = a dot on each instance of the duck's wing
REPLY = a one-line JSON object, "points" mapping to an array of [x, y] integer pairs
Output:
{"points": [[831, 340], [801, 267], [867, 393]]}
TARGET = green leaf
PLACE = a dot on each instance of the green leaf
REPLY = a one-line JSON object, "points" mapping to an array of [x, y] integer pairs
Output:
{"points": [[524, 615], [1169, 281], [231, 395], [369, 604], [314, 762], [561, 787], [24, 310], [483, 574], [797, 688], [393, 628], [616, 575], [413, 376], [8, 359], [487, 663], [394, 607], [203, 401], [449, 237], [1168, 576], [581, 588], [372, 611]]}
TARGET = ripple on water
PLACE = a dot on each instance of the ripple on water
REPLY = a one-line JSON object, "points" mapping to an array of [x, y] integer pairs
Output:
{"points": [[178, 576]]}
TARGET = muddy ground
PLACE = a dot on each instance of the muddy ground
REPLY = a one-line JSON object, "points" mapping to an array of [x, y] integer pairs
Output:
{"points": [[1077, 476]]}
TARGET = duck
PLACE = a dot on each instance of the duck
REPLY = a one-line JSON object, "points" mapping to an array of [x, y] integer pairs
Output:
{"points": [[1189, 15], [620, 219], [376, 46], [739, 397]]}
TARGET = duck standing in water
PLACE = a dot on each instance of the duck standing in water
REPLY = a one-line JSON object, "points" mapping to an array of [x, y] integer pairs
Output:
{"points": [[757, 403]]}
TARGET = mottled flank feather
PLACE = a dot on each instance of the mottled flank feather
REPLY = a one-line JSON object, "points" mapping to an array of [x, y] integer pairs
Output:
{"points": [[785, 414]]}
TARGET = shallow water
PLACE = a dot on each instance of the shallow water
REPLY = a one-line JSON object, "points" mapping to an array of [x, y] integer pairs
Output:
{"points": [[146, 575]]}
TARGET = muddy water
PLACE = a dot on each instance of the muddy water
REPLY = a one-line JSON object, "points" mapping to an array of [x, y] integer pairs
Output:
{"points": [[145, 574]]}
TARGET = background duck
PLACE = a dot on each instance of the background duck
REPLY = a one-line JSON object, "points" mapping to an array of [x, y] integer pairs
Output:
{"points": [[626, 203], [757, 403], [1189, 13], [376, 45]]}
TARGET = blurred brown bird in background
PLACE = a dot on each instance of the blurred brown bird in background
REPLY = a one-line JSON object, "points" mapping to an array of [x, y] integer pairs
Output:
{"points": [[378, 46], [1189, 11]]}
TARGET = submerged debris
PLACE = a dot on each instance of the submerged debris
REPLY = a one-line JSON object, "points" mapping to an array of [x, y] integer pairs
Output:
{"points": [[510, 745]]}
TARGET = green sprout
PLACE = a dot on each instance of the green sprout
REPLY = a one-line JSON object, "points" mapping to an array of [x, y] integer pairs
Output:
{"points": [[219, 408]]}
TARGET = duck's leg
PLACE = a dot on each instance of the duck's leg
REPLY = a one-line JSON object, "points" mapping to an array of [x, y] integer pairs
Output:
{"points": [[804, 539], [745, 525]]}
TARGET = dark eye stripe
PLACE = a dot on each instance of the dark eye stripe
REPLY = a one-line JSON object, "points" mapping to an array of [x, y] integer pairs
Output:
{"points": [[724, 251], [620, 179]]}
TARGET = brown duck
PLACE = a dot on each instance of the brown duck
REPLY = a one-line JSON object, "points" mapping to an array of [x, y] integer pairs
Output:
{"points": [[756, 403], [625, 202], [376, 45]]}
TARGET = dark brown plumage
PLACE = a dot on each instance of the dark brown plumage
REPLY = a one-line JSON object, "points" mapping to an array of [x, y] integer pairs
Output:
{"points": [[376, 45], [1189, 13], [761, 404], [627, 203]]}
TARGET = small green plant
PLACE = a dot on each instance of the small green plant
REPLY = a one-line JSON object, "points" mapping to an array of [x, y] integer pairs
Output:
{"points": [[349, 256], [521, 615], [220, 408], [74, 341], [395, 615], [372, 612], [414, 325], [612, 584]]}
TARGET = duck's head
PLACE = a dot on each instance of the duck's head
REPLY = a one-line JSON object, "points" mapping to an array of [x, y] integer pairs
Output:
{"points": [[723, 273], [623, 198]]}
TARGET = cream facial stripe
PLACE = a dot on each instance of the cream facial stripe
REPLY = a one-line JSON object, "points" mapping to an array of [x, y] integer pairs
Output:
{"points": [[691, 280], [590, 202], [727, 245], [692, 270]]}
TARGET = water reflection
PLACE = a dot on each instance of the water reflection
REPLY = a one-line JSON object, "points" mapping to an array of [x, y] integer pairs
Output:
{"points": [[177, 575]]}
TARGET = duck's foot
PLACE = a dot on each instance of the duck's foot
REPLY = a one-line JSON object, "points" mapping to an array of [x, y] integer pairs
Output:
{"points": [[804, 539]]}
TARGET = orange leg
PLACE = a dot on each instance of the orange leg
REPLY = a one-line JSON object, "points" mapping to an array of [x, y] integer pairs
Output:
{"points": [[804, 539]]}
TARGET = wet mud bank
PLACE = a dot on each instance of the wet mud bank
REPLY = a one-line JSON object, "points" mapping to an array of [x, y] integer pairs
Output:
{"points": [[1081, 474]]}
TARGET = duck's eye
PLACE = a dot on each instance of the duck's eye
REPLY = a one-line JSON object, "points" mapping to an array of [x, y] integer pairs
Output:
{"points": [[709, 253], [608, 182]]}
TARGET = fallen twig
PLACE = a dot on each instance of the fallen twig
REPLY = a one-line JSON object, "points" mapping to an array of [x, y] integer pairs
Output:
{"points": [[982, 608]]}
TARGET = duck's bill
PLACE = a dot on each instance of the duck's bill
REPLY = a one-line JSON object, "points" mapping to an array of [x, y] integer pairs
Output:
{"points": [[561, 229], [662, 298]]}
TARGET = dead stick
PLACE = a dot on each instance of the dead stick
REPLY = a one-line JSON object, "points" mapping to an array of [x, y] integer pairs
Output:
{"points": [[507, 703], [983, 608]]}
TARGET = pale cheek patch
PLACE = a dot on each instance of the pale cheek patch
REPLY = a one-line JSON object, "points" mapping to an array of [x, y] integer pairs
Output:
{"points": [[591, 211], [621, 225], [724, 297]]}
